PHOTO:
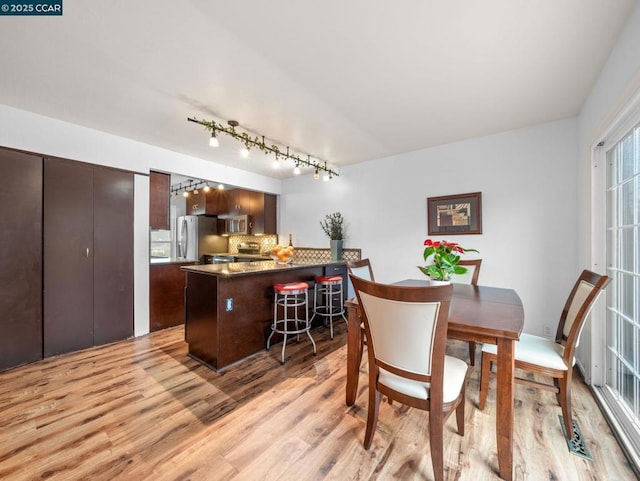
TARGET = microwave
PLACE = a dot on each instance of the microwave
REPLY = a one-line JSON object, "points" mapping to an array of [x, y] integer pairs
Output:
{"points": [[236, 225]]}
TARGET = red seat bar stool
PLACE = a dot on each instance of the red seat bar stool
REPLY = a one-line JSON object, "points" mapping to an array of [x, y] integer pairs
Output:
{"points": [[329, 288], [290, 296]]}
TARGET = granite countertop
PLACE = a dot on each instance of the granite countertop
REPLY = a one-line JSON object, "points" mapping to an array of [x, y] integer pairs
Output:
{"points": [[245, 268]]}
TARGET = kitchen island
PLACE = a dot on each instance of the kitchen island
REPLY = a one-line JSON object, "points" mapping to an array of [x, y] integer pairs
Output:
{"points": [[229, 307]]}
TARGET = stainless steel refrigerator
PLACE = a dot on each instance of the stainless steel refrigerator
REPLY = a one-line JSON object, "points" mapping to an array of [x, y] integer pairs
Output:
{"points": [[196, 235]]}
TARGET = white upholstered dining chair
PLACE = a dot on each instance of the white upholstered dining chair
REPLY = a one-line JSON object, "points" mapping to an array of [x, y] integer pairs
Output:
{"points": [[554, 358], [361, 268], [406, 330]]}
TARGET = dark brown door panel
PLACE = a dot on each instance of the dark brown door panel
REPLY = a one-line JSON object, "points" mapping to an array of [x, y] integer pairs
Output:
{"points": [[20, 258], [113, 255], [68, 256]]}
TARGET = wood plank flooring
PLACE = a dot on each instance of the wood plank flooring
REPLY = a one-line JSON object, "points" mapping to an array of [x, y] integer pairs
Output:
{"points": [[142, 410]]}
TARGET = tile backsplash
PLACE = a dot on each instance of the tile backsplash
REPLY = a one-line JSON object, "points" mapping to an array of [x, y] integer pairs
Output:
{"points": [[266, 242]]}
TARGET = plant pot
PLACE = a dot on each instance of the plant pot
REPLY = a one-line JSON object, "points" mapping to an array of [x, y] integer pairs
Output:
{"points": [[336, 250], [437, 282]]}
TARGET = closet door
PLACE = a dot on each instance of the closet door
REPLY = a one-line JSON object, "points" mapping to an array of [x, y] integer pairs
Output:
{"points": [[113, 255], [68, 256], [20, 258]]}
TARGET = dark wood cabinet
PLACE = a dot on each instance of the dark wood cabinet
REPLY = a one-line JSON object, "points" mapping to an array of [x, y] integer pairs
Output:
{"points": [[20, 258], [166, 296], [88, 255], [264, 214], [260, 206], [241, 201], [159, 193], [214, 202]]}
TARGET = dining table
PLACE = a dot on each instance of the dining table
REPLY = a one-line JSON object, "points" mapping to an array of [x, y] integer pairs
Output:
{"points": [[478, 313]]}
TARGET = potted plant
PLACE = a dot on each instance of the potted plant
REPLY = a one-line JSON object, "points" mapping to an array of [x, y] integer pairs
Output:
{"points": [[446, 256], [332, 225]]}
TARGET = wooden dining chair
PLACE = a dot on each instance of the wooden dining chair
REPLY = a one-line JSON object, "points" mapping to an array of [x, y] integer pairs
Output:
{"points": [[552, 357], [469, 277], [406, 329], [361, 268]]}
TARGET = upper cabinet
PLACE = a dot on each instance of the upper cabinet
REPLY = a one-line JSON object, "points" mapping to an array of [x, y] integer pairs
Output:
{"points": [[214, 202], [241, 201], [260, 206], [264, 216], [159, 192]]}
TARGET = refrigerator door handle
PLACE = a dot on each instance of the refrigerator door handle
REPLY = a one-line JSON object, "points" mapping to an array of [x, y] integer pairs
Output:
{"points": [[182, 243]]}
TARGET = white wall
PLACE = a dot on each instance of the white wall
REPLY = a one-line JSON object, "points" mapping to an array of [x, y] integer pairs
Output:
{"points": [[527, 180], [43, 135]]}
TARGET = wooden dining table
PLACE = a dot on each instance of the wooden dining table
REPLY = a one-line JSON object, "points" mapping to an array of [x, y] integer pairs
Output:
{"points": [[478, 313]]}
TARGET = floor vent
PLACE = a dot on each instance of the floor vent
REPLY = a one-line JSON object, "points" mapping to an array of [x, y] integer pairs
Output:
{"points": [[576, 445]]}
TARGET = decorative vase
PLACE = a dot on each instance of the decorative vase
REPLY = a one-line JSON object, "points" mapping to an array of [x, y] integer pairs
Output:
{"points": [[336, 250]]}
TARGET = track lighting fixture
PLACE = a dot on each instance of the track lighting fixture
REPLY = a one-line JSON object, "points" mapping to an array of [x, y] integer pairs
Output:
{"points": [[220, 186], [316, 175], [244, 152], [256, 142], [213, 141], [191, 186]]}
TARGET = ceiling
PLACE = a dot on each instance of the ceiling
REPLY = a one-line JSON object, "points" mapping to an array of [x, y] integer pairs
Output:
{"points": [[342, 81]]}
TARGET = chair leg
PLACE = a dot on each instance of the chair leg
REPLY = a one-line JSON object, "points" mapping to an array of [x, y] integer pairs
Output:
{"points": [[565, 404], [360, 348], [484, 379], [460, 411], [372, 415], [472, 353], [436, 433]]}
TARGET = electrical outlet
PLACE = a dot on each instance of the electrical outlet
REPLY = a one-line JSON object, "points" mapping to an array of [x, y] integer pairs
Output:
{"points": [[229, 304], [546, 331]]}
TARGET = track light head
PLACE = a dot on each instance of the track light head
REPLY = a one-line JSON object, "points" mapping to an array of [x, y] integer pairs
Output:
{"points": [[213, 141]]}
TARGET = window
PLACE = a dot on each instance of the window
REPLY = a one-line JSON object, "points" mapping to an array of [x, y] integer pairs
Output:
{"points": [[620, 340]]}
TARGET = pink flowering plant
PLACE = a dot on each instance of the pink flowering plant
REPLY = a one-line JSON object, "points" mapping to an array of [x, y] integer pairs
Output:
{"points": [[446, 256]]}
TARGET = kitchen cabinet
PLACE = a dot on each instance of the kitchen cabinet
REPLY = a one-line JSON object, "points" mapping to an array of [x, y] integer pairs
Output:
{"points": [[166, 295], [260, 206], [265, 214], [88, 255], [241, 201], [159, 193], [214, 202], [20, 258]]}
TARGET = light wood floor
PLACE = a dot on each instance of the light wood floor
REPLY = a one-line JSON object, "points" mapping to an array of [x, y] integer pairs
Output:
{"points": [[142, 410]]}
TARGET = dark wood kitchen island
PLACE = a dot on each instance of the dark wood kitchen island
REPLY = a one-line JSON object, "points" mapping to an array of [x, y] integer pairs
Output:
{"points": [[229, 307]]}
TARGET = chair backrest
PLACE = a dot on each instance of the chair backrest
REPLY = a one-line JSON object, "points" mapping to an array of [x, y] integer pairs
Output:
{"points": [[585, 292], [361, 268], [473, 271], [406, 327]]}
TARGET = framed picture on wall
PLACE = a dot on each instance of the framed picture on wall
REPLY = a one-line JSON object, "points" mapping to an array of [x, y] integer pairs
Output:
{"points": [[455, 214]]}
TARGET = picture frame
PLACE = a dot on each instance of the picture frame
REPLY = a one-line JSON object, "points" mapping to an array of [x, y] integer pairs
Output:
{"points": [[459, 214]]}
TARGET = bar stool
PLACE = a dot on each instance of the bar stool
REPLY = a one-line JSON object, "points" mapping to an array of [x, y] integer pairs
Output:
{"points": [[330, 289], [291, 295]]}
